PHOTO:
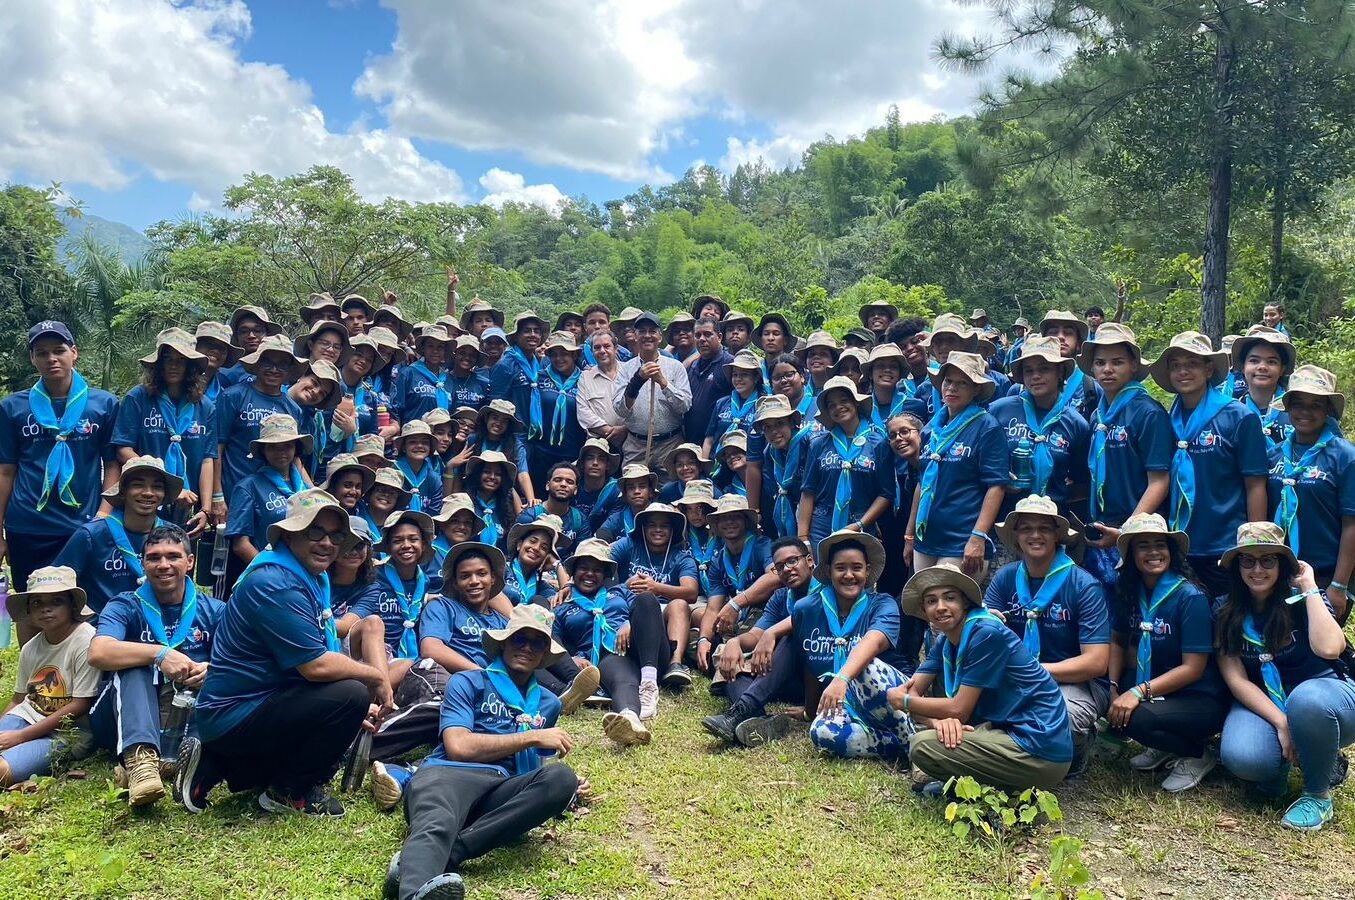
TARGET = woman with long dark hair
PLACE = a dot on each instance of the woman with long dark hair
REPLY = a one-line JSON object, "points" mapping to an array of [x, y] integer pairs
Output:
{"points": [[1277, 636], [489, 481]]}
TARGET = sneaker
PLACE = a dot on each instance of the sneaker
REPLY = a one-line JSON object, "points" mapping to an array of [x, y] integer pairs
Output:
{"points": [[725, 725], [316, 802], [580, 689], [677, 677], [144, 786], [759, 730], [120, 777], [447, 886], [932, 790], [625, 728], [388, 788], [1150, 760], [390, 888], [1308, 813], [1187, 772], [1340, 770], [599, 700], [649, 700], [1082, 761], [196, 777]]}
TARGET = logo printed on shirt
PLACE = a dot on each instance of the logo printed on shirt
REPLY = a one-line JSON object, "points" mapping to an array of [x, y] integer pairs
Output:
{"points": [[819, 644], [1308, 473], [1208, 439], [253, 415], [275, 502], [31, 428], [831, 459]]}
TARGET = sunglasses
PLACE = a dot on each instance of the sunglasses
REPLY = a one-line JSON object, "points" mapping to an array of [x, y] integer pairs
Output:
{"points": [[317, 533], [1266, 562], [536, 643]]}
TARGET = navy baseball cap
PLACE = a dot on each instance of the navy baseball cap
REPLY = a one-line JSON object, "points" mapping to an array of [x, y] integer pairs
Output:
{"points": [[50, 327], [648, 318]]}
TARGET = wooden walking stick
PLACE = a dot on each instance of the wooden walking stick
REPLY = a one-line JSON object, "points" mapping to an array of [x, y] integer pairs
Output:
{"points": [[649, 431]]}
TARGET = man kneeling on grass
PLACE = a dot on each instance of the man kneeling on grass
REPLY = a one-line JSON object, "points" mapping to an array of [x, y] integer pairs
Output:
{"points": [[154, 643], [484, 786]]}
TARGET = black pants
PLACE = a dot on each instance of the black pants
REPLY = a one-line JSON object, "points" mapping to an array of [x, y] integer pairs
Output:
{"points": [[782, 682], [292, 742], [457, 813], [557, 676], [1179, 723], [28, 552], [649, 646], [1212, 577]]}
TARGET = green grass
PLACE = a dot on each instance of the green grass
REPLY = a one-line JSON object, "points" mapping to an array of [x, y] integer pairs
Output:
{"points": [[681, 818]]}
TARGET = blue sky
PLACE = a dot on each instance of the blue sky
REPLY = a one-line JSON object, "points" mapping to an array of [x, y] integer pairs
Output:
{"points": [[148, 109]]}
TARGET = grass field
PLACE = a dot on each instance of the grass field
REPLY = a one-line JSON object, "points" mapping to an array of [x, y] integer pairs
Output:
{"points": [[681, 818]]}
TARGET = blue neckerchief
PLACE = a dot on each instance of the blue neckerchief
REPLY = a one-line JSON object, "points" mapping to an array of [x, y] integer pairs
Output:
{"points": [[1182, 502], [604, 635], [589, 359], [1270, 673], [704, 554], [1148, 607], [786, 467], [765, 389], [1035, 606], [1287, 512], [118, 530], [628, 521], [439, 382], [441, 547], [841, 629], [491, 532], [895, 407], [526, 706], [531, 368], [213, 388], [179, 420], [1042, 456], [316, 587], [945, 431], [155, 616], [1269, 417], [526, 586], [738, 571], [416, 495], [741, 411], [564, 389], [806, 406], [736, 485], [59, 471], [293, 485], [410, 607], [953, 657], [849, 450], [1106, 416]]}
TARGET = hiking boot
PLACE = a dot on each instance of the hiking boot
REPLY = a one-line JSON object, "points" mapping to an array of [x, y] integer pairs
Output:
{"points": [[1150, 760], [1187, 772], [388, 785], [580, 689], [390, 888], [649, 700], [759, 730], [120, 777], [725, 725], [1308, 813], [677, 677], [1082, 761], [144, 786], [625, 728], [1340, 770], [196, 777], [447, 886], [315, 802]]}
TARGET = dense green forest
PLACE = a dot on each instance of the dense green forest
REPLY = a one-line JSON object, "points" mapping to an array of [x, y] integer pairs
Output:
{"points": [[1108, 184]]}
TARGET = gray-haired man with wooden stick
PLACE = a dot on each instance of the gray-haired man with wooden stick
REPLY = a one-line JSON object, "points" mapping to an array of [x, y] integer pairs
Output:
{"points": [[652, 413]]}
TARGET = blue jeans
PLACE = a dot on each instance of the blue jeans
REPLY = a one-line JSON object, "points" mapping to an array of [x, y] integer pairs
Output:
{"points": [[1321, 715], [29, 758]]}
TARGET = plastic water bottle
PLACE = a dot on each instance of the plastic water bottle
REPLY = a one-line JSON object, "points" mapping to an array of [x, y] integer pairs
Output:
{"points": [[176, 728], [1023, 465], [221, 548], [6, 626], [383, 416]]}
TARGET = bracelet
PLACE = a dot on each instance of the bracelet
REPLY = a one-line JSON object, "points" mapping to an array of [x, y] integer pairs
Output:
{"points": [[734, 601], [703, 638], [1147, 689], [1338, 585], [1138, 693], [906, 697], [160, 657], [218, 498], [978, 534], [1298, 598], [842, 677], [1115, 685], [910, 537]]}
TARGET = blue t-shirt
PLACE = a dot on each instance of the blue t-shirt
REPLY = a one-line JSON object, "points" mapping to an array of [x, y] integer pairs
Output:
{"points": [[271, 627], [230, 376], [1296, 660], [734, 572], [1326, 491], [26, 445], [238, 414], [1182, 624], [344, 598], [381, 600], [1228, 449], [472, 391], [509, 381], [100, 567], [872, 476], [576, 524], [1077, 616], [781, 602], [974, 462], [256, 503], [519, 587], [141, 426], [574, 624], [709, 382], [1017, 695], [565, 445], [415, 394], [123, 620], [425, 484], [1067, 440], [1140, 441], [600, 504], [632, 558], [459, 627], [472, 703], [723, 420], [809, 622]]}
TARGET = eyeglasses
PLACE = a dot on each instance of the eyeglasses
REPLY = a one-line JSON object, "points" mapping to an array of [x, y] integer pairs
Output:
{"points": [[317, 533], [1247, 561], [326, 345], [272, 365], [785, 376], [786, 565], [537, 643]]}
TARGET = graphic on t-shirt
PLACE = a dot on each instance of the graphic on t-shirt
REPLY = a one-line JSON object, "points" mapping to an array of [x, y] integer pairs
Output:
{"points": [[48, 691]]}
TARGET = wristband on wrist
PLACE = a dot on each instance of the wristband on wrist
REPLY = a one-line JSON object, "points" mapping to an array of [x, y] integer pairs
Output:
{"points": [[843, 678], [1115, 685], [218, 498], [160, 657], [1138, 693], [906, 697], [978, 534], [703, 638], [1338, 585]]}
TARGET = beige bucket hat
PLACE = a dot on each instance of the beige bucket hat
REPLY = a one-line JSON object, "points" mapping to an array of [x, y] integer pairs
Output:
{"points": [[141, 465], [178, 340], [279, 428], [1189, 343], [525, 617], [1314, 381], [942, 575], [875, 555], [303, 508], [1108, 334], [973, 368], [1259, 539]]}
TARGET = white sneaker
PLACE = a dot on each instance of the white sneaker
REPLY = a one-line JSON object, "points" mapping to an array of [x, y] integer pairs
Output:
{"points": [[649, 700], [625, 728], [1187, 773], [1150, 760], [580, 689]]}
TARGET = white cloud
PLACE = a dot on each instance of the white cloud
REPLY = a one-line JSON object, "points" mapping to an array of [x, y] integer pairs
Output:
{"points": [[96, 91], [510, 187]]}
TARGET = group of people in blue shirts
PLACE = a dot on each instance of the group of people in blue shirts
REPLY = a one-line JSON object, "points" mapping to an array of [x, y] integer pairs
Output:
{"points": [[276, 557]]}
